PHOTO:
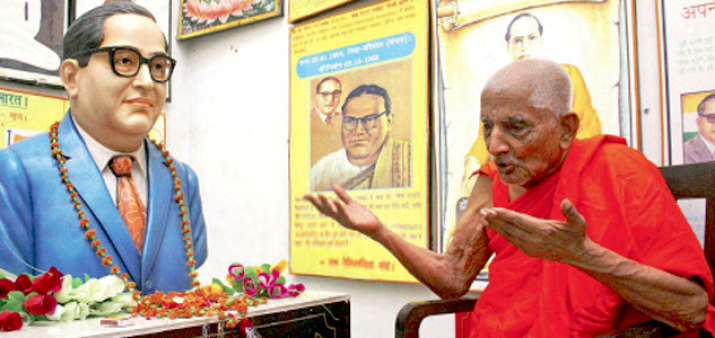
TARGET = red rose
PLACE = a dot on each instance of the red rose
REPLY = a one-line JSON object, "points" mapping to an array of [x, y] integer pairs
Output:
{"points": [[10, 321], [41, 304], [50, 281], [6, 286], [23, 284]]}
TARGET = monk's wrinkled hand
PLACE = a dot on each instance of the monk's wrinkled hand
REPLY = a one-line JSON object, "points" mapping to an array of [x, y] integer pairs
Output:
{"points": [[346, 211], [540, 238]]}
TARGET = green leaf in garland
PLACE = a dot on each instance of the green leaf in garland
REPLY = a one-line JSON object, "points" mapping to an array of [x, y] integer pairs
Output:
{"points": [[229, 291], [76, 282], [15, 301]]}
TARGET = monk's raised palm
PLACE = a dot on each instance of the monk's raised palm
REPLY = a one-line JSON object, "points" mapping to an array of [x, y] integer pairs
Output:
{"points": [[346, 211], [540, 238]]}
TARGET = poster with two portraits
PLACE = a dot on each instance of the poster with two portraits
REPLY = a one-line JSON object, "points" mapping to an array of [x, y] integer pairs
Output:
{"points": [[359, 102]]}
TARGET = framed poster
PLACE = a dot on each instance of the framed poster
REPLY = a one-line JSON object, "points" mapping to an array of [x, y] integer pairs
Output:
{"points": [[592, 40], [359, 103], [31, 34], [688, 66], [302, 9], [201, 17]]}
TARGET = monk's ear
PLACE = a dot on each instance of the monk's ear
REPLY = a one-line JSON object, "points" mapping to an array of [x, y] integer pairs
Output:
{"points": [[69, 73], [569, 123]]}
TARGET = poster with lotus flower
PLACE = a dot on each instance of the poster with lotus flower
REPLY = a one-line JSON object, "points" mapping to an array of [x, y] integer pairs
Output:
{"points": [[201, 17]]}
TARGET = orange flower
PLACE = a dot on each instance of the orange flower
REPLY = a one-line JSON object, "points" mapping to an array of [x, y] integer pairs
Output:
{"points": [[89, 234], [107, 261], [101, 252], [114, 270]]}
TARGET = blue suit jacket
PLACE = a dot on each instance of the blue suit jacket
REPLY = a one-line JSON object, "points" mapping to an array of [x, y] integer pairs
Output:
{"points": [[39, 225]]}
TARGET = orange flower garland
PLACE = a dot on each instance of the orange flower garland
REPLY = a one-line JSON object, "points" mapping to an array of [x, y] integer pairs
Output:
{"points": [[194, 303], [91, 233], [197, 302]]}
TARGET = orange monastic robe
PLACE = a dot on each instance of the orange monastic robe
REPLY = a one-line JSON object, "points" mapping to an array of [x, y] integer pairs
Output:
{"points": [[628, 209]]}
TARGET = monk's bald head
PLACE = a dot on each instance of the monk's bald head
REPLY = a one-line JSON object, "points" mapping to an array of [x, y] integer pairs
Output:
{"points": [[537, 84]]}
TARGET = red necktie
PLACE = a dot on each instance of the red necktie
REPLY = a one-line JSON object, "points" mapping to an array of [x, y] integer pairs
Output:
{"points": [[129, 204], [329, 119]]}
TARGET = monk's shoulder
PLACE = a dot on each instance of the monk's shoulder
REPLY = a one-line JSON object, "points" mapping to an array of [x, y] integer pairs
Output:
{"points": [[622, 161]]}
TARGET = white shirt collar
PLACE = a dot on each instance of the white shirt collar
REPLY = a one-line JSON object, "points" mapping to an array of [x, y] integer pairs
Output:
{"points": [[102, 154]]}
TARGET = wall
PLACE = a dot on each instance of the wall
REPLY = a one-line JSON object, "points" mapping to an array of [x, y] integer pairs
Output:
{"points": [[229, 118]]}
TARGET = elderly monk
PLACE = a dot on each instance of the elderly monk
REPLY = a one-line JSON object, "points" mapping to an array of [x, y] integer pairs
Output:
{"points": [[586, 234]]}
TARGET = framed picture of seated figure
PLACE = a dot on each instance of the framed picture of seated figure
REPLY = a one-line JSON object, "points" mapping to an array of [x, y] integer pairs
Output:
{"points": [[476, 38], [201, 17], [31, 34]]}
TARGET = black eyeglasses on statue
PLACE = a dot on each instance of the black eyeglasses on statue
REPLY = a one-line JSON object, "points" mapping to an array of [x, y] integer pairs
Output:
{"points": [[126, 61]]}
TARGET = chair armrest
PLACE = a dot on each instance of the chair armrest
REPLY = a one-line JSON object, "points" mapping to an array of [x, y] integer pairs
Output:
{"points": [[649, 329], [411, 315]]}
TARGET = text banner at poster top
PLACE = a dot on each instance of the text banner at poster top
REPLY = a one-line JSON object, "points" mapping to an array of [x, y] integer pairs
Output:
{"points": [[361, 54]]}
